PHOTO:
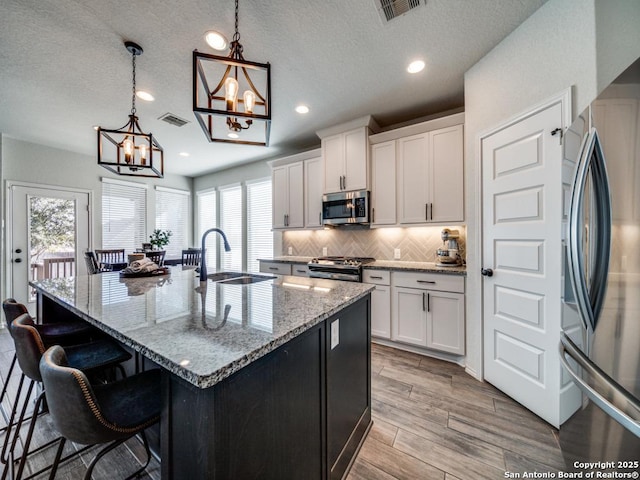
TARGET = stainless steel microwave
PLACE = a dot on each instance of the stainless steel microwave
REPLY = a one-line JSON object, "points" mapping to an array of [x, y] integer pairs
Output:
{"points": [[345, 208]]}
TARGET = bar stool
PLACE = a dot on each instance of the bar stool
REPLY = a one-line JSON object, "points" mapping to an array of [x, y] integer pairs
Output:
{"points": [[90, 414], [67, 332], [92, 358]]}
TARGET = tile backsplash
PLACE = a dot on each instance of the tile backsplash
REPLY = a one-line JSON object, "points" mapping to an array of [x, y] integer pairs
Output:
{"points": [[417, 244]]}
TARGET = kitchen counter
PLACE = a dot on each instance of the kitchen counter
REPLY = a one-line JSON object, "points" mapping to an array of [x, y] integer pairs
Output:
{"points": [[168, 321], [429, 267], [265, 380]]}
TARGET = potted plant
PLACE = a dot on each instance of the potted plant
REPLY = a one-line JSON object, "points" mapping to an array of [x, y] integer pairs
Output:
{"points": [[160, 238]]}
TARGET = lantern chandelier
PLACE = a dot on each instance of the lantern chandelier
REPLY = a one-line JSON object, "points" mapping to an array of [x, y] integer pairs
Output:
{"points": [[222, 115], [129, 151]]}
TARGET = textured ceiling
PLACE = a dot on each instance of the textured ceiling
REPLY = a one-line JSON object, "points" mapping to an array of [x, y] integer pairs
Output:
{"points": [[63, 66]]}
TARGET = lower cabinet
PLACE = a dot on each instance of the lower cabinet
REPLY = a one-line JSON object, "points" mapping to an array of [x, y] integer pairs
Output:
{"points": [[427, 310], [380, 302]]}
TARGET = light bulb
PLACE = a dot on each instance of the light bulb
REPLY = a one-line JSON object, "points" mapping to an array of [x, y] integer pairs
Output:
{"points": [[233, 135], [231, 93], [143, 154], [127, 146], [249, 101]]}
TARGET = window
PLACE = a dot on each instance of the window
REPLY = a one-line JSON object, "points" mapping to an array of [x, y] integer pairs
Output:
{"points": [[208, 218], [172, 213], [231, 224], [237, 218], [259, 235], [124, 214]]}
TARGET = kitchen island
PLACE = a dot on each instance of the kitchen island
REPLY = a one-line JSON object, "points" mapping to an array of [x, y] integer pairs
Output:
{"points": [[262, 380]]}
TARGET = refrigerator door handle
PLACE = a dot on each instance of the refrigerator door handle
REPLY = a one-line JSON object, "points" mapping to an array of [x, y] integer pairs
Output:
{"points": [[590, 300], [630, 417]]}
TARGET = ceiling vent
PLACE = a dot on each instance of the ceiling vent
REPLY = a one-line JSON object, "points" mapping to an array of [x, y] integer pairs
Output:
{"points": [[390, 9], [173, 119]]}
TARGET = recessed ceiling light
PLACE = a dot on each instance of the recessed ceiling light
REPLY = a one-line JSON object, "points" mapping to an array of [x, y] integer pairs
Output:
{"points": [[145, 95], [233, 135], [216, 40], [416, 66], [184, 154], [302, 109], [96, 127]]}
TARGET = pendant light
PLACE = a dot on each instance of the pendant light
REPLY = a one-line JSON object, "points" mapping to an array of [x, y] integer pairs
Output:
{"points": [[232, 96], [128, 150]]}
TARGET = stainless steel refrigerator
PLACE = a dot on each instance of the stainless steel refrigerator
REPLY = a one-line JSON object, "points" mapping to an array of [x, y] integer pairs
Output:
{"points": [[601, 350]]}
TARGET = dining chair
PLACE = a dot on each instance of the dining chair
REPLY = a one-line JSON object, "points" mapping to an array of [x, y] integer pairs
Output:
{"points": [[115, 255], [93, 266], [191, 256], [156, 256], [93, 414]]}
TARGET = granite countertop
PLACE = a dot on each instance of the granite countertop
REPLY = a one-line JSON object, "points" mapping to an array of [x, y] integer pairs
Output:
{"points": [[203, 337], [427, 267]]}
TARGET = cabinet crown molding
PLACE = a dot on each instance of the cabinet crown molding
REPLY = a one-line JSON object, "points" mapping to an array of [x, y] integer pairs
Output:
{"points": [[297, 157], [417, 128], [366, 121]]}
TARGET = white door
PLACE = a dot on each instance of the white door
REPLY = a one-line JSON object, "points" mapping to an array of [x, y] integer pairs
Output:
{"points": [[383, 183], [446, 175], [409, 321], [413, 176], [313, 192], [522, 231], [49, 233]]}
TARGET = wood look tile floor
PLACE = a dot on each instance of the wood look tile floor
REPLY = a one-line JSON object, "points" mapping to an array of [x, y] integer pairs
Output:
{"points": [[431, 421]]}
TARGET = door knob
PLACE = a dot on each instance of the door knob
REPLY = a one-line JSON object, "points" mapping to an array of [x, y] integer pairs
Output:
{"points": [[487, 272]]}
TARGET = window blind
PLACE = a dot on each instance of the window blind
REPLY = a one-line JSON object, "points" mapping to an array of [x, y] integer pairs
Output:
{"points": [[172, 213], [231, 225], [259, 235], [124, 215], [208, 218]]}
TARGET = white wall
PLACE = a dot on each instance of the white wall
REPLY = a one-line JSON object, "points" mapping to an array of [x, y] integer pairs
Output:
{"points": [[551, 51], [33, 163]]}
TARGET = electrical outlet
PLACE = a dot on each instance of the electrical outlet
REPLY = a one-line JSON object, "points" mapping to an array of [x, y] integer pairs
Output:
{"points": [[396, 254], [324, 251], [290, 250], [335, 333]]}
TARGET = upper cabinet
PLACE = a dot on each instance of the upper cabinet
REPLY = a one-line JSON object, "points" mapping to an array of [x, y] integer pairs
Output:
{"points": [[313, 192], [288, 200], [345, 154], [418, 178], [297, 190], [383, 184]]}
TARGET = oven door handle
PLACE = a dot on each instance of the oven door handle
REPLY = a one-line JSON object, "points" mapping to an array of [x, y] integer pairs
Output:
{"points": [[623, 398]]}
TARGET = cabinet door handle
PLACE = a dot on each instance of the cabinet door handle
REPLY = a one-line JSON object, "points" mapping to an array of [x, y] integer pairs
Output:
{"points": [[426, 211], [376, 278], [301, 271], [373, 215], [424, 301], [426, 281], [428, 302], [340, 182], [320, 218], [431, 218], [344, 182], [273, 268]]}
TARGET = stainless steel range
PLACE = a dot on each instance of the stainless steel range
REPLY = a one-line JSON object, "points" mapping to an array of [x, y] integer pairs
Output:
{"points": [[338, 268]]}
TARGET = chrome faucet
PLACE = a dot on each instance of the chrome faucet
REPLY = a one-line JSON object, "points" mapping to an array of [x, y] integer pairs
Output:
{"points": [[203, 263]]}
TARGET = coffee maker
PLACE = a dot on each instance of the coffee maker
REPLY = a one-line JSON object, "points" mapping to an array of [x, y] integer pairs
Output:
{"points": [[448, 255]]}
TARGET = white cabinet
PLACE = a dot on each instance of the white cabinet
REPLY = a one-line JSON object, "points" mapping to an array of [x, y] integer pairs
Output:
{"points": [[313, 192], [430, 177], [288, 196], [346, 160], [299, 270], [428, 311], [383, 184], [380, 302], [276, 268]]}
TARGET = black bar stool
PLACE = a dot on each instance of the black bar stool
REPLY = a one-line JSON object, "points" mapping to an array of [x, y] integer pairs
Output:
{"points": [[64, 332], [93, 358], [90, 414]]}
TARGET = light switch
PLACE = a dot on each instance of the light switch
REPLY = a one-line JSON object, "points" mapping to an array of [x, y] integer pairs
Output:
{"points": [[290, 250], [324, 251], [335, 333]]}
